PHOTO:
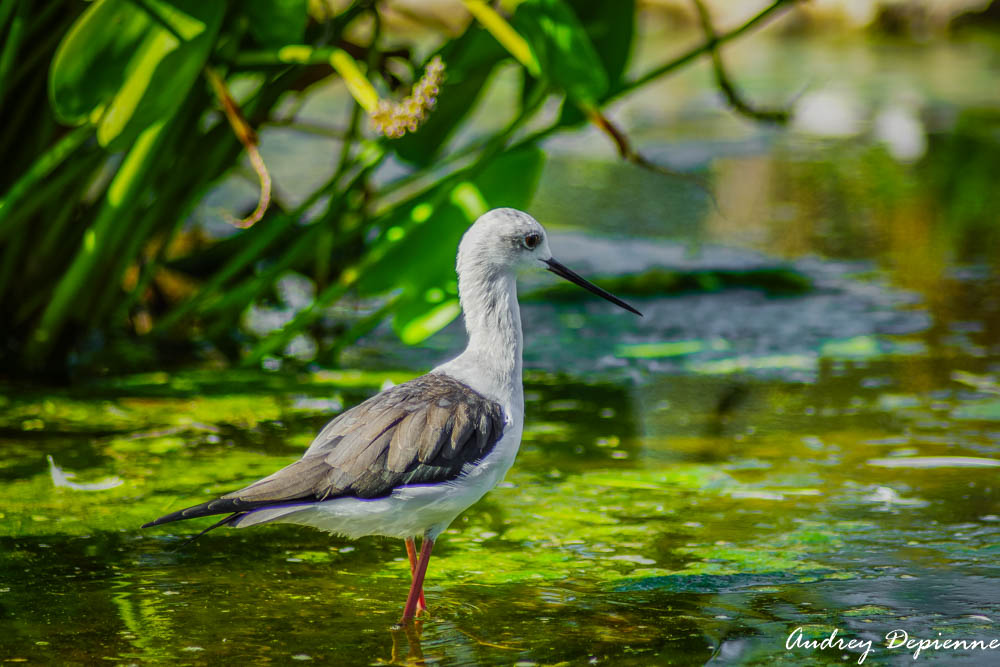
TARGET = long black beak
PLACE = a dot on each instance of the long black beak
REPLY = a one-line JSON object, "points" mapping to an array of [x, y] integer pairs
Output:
{"points": [[574, 277]]}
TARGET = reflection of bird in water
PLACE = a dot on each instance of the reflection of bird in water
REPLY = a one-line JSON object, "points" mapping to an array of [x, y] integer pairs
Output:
{"points": [[733, 397], [415, 652], [409, 460]]}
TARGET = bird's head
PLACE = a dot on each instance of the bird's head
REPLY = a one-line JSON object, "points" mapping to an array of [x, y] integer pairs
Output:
{"points": [[506, 240]]}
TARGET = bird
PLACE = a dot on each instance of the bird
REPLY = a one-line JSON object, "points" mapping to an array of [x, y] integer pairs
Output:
{"points": [[407, 461]]}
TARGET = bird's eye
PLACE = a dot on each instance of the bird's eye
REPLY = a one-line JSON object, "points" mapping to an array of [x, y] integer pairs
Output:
{"points": [[532, 240]]}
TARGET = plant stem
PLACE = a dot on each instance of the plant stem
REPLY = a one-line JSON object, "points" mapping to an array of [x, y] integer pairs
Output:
{"points": [[678, 62], [28, 63], [723, 80], [307, 315], [292, 54], [11, 44], [122, 193], [37, 269], [39, 170], [12, 259], [7, 8]]}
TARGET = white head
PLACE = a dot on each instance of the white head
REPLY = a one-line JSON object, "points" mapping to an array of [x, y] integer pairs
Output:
{"points": [[505, 240]]}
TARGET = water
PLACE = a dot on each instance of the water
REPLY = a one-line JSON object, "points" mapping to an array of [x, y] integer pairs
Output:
{"points": [[801, 433], [696, 516]]}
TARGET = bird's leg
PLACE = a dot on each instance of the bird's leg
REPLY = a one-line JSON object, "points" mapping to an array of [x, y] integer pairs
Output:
{"points": [[411, 551], [417, 586]]}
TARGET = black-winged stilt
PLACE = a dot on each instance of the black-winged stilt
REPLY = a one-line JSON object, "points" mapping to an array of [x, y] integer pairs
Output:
{"points": [[410, 459]]}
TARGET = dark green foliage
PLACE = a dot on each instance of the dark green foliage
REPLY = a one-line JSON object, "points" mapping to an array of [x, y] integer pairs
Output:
{"points": [[103, 165], [471, 59], [276, 22], [126, 66], [610, 27], [563, 49]]}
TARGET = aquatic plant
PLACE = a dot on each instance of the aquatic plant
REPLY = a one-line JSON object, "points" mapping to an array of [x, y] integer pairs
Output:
{"points": [[112, 135]]}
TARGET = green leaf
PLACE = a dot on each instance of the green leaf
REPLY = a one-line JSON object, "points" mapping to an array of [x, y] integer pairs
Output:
{"points": [[611, 28], [277, 22], [91, 62], [415, 323], [563, 49], [469, 61], [417, 246], [127, 65]]}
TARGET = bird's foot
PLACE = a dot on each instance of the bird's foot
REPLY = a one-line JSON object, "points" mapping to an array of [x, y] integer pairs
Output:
{"points": [[418, 613]]}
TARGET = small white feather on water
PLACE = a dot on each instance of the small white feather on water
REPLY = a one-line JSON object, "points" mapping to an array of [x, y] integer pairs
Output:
{"points": [[62, 479], [890, 496]]}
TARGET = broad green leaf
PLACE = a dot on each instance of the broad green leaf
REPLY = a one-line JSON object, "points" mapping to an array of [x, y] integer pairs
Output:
{"points": [[563, 48], [162, 78], [416, 322], [418, 246], [469, 61], [92, 60], [611, 28], [277, 22], [125, 67]]}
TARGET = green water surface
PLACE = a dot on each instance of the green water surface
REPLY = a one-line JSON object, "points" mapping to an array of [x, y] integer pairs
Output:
{"points": [[708, 515]]}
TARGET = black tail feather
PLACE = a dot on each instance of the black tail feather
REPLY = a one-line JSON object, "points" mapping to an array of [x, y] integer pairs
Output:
{"points": [[203, 509], [221, 506]]}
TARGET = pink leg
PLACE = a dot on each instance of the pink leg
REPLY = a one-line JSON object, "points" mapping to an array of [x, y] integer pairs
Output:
{"points": [[410, 610], [411, 552]]}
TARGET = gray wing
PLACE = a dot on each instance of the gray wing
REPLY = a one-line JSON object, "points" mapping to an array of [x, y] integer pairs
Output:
{"points": [[419, 432]]}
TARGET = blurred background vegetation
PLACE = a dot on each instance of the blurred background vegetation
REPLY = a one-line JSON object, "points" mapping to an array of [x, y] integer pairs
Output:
{"points": [[135, 233]]}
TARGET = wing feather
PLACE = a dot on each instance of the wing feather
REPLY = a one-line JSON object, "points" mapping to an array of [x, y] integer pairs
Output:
{"points": [[462, 427], [398, 457], [419, 432], [436, 430]]}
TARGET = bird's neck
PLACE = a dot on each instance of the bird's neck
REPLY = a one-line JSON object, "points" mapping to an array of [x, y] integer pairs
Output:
{"points": [[493, 322]]}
